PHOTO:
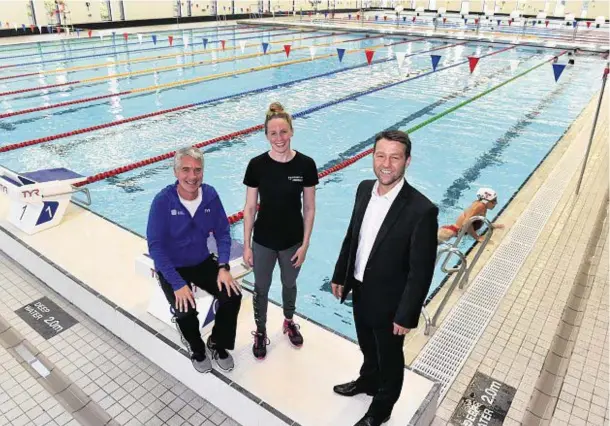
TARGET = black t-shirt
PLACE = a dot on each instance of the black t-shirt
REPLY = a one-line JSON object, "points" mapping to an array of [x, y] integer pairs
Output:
{"points": [[279, 223]]}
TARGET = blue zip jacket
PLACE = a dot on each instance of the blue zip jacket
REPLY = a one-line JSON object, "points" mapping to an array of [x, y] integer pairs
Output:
{"points": [[175, 239]]}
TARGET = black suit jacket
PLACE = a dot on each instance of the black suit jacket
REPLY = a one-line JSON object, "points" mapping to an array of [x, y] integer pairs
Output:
{"points": [[399, 270]]}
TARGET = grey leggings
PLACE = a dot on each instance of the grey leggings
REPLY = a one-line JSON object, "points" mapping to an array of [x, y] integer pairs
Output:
{"points": [[264, 264]]}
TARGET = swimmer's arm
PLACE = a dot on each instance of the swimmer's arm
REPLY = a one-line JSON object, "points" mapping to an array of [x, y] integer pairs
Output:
{"points": [[476, 210]]}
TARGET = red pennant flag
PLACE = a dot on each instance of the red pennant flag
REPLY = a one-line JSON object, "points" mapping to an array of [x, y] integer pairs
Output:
{"points": [[171, 40], [287, 49], [222, 43], [90, 33], [32, 26], [476, 21], [472, 62], [546, 23], [369, 55], [588, 24], [125, 36], [444, 20], [510, 22], [414, 19], [385, 18]]}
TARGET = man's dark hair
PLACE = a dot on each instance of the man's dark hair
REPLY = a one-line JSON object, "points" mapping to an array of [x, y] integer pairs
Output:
{"points": [[396, 136]]}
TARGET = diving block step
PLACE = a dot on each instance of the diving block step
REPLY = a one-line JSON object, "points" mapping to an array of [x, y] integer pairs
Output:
{"points": [[38, 200]]}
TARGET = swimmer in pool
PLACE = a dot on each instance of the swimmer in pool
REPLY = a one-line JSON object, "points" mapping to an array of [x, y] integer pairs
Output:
{"points": [[487, 199]]}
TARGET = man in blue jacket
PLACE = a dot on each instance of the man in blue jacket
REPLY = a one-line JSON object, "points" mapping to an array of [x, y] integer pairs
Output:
{"points": [[181, 218]]}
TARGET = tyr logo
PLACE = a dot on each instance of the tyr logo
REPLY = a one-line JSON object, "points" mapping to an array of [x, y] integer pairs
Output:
{"points": [[32, 193]]}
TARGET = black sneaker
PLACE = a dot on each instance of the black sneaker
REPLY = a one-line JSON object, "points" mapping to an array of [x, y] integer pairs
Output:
{"points": [[259, 349], [295, 336]]}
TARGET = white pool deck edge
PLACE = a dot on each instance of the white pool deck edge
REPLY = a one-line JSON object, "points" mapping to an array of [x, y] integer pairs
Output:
{"points": [[73, 259]]}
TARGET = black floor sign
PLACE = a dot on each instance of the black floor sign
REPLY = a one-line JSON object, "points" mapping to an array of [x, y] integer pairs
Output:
{"points": [[484, 403], [44, 316]]}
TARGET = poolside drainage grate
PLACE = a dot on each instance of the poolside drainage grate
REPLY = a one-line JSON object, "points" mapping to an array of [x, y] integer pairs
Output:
{"points": [[448, 349]]}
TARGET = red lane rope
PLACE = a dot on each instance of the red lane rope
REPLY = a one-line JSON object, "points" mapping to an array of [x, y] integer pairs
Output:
{"points": [[31, 89], [151, 160]]}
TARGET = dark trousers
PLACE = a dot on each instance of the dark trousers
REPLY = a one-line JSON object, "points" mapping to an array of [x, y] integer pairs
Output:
{"points": [[383, 367], [204, 276]]}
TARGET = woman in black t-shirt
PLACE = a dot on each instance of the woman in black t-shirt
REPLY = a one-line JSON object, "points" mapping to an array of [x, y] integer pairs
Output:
{"points": [[281, 232]]}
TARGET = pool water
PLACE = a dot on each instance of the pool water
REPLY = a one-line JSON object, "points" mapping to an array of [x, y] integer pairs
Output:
{"points": [[496, 141]]}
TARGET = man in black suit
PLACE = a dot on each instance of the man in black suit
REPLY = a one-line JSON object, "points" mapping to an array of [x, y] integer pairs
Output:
{"points": [[387, 260]]}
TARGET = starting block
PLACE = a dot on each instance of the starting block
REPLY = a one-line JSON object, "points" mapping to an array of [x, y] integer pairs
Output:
{"points": [[158, 306], [38, 200]]}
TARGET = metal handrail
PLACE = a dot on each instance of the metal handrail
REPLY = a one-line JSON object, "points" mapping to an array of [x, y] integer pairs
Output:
{"points": [[480, 249], [446, 248]]}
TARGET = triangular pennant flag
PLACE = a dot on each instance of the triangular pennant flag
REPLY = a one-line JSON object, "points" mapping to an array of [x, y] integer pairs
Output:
{"points": [[90, 33], [125, 36], [185, 40], [340, 53], [205, 43], [499, 22], [514, 64], [400, 58], [510, 23], [533, 23], [444, 20], [476, 21], [588, 24], [369, 55], [67, 30], [242, 45], [287, 49], [472, 62], [413, 20], [171, 40], [312, 52], [265, 46], [435, 60], [101, 36], [40, 29], [140, 38], [222, 43], [32, 26], [465, 21], [214, 55], [557, 70], [16, 27], [77, 32], [23, 27], [154, 37], [546, 23], [113, 34]]}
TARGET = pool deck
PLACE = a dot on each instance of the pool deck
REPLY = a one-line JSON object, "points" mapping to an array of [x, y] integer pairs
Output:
{"points": [[548, 338]]}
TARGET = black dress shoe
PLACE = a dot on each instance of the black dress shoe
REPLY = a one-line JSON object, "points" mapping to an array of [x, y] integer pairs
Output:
{"points": [[368, 420], [353, 388]]}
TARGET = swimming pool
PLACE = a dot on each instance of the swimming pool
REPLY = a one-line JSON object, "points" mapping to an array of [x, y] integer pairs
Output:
{"points": [[496, 141]]}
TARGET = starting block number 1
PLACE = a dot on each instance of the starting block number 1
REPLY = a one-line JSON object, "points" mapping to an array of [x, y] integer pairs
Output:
{"points": [[34, 214]]}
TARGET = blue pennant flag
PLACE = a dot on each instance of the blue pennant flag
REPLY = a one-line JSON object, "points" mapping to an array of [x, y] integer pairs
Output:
{"points": [[376, 17], [574, 23], [340, 52], [265, 47], [557, 70], [78, 32], [465, 21], [499, 21], [435, 60], [23, 26], [404, 19], [205, 43], [154, 37]]}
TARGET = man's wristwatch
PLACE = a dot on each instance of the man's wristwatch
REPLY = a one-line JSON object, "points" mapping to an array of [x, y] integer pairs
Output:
{"points": [[224, 266]]}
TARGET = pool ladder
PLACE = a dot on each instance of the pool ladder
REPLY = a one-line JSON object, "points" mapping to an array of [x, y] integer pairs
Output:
{"points": [[461, 270]]}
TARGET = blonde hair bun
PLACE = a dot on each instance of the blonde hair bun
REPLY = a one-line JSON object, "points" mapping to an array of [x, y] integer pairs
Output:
{"points": [[275, 108]]}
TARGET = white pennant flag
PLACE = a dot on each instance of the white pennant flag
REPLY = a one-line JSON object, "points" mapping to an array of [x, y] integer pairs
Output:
{"points": [[185, 40], [16, 27], [140, 38], [312, 51], [214, 57], [101, 36], [68, 31], [400, 57], [514, 64], [40, 29], [242, 45]]}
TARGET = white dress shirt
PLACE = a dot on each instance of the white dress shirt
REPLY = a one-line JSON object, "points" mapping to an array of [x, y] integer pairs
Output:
{"points": [[376, 211]]}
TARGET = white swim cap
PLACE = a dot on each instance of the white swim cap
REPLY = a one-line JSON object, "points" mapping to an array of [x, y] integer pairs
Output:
{"points": [[486, 194]]}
